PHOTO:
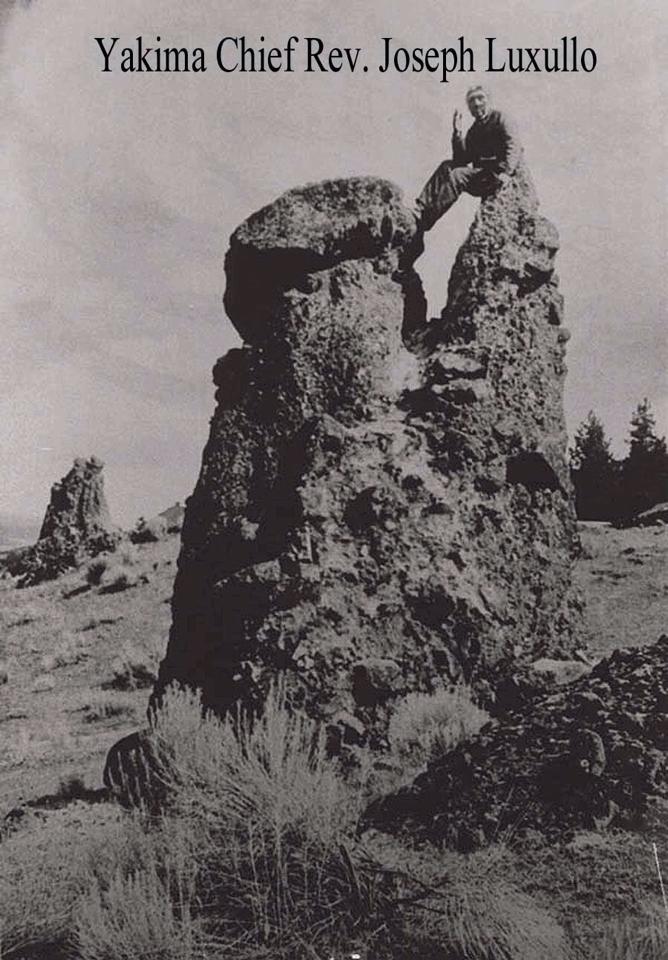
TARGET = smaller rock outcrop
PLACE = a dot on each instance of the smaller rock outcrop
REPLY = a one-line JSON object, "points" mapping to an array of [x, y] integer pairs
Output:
{"points": [[592, 754], [169, 521], [76, 525]]}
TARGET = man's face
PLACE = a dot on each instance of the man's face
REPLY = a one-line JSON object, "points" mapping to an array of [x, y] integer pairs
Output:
{"points": [[478, 104]]}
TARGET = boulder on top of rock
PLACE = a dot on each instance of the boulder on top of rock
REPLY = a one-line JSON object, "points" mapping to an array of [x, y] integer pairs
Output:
{"points": [[384, 504], [592, 754], [307, 230], [76, 525]]}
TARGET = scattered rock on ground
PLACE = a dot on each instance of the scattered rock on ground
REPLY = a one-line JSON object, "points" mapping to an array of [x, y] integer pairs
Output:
{"points": [[592, 754]]}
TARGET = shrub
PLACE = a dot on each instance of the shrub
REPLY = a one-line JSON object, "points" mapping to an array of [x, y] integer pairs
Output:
{"points": [[43, 874], [425, 725], [149, 531], [645, 938], [96, 570], [119, 577], [139, 916], [133, 669], [444, 906], [273, 818]]}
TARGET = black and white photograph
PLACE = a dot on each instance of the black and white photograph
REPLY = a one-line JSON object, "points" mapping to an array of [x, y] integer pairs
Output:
{"points": [[333, 480]]}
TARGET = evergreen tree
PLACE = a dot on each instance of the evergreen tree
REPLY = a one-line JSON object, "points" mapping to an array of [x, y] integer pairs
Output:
{"points": [[645, 470], [594, 472]]}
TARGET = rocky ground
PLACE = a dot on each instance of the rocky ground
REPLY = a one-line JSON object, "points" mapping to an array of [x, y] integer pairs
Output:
{"points": [[63, 642], [77, 659]]}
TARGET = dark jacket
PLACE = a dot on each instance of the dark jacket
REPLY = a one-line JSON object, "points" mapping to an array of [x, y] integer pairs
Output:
{"points": [[495, 136]]}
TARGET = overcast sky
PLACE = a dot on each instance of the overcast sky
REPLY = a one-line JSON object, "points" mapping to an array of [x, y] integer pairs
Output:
{"points": [[120, 191]]}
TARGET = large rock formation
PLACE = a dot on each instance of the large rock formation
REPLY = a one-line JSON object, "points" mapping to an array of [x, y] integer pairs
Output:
{"points": [[384, 502], [76, 525], [591, 754]]}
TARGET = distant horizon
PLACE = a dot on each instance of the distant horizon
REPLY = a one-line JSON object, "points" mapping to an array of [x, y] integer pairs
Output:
{"points": [[35, 519], [121, 192]]}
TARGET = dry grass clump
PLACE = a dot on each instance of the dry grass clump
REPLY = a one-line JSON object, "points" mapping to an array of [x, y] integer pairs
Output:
{"points": [[44, 873], [642, 939], [425, 725], [117, 577], [448, 906], [96, 570], [254, 856], [114, 572], [71, 788], [274, 820], [144, 908], [133, 669]]}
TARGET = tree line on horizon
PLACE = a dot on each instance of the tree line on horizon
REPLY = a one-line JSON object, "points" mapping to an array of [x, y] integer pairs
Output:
{"points": [[616, 490]]}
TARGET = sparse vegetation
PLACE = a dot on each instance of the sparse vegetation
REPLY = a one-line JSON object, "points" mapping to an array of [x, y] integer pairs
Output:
{"points": [[68, 649], [118, 577], [643, 939], [134, 668], [256, 856], [424, 725], [191, 883], [107, 706], [96, 570], [446, 906], [43, 875]]}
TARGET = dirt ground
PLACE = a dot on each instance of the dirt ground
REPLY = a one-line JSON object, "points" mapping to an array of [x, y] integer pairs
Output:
{"points": [[61, 643], [78, 662], [72, 655], [623, 578]]}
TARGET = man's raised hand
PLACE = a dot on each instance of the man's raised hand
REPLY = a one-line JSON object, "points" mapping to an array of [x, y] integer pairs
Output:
{"points": [[457, 123]]}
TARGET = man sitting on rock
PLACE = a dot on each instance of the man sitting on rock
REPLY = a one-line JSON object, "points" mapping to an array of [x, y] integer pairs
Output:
{"points": [[482, 162]]}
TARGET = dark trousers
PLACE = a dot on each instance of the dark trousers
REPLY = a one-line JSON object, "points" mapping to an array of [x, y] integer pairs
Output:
{"points": [[445, 185]]}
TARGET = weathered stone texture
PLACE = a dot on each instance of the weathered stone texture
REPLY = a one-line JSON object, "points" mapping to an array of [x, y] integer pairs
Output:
{"points": [[590, 754], [377, 488], [76, 525]]}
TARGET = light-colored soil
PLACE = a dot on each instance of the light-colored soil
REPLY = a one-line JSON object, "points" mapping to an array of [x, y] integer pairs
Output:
{"points": [[72, 640], [53, 740], [623, 578], [48, 736]]}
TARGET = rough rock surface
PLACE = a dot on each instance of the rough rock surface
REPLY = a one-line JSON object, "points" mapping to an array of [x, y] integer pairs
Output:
{"points": [[76, 525], [384, 502], [594, 753]]}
